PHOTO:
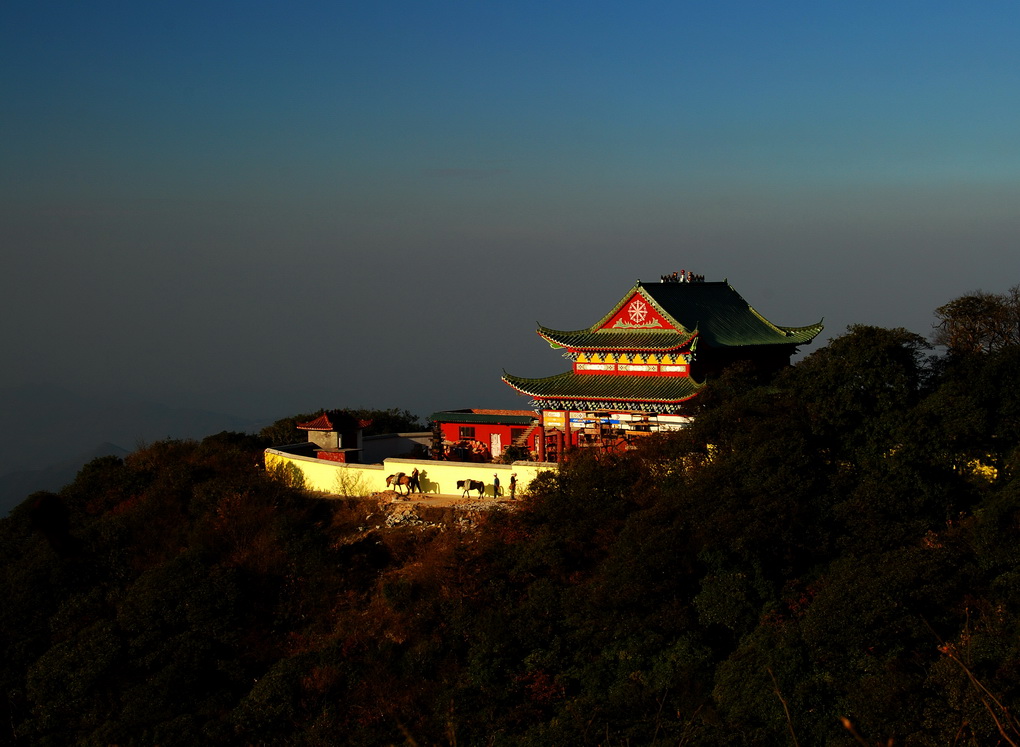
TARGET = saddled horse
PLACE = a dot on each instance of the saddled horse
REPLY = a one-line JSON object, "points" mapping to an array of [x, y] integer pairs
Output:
{"points": [[466, 486], [397, 480]]}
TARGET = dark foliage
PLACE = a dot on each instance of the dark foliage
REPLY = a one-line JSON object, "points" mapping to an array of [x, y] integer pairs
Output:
{"points": [[837, 543], [393, 420], [979, 322]]}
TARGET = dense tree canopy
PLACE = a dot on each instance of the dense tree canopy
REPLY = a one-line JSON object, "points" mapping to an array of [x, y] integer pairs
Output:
{"points": [[827, 558]]}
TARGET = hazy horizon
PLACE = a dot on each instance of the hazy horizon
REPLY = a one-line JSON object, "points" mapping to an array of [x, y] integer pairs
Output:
{"points": [[261, 210]]}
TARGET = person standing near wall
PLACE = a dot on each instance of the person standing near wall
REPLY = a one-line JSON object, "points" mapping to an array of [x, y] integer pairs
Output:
{"points": [[495, 486], [513, 486]]}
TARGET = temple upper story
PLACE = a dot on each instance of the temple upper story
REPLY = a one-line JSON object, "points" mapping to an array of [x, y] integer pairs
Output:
{"points": [[653, 350]]}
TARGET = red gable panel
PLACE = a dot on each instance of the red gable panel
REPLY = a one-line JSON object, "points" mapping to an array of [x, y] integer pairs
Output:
{"points": [[637, 313]]}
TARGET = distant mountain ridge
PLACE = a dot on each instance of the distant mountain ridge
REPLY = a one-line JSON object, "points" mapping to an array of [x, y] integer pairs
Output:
{"points": [[18, 485], [47, 433]]}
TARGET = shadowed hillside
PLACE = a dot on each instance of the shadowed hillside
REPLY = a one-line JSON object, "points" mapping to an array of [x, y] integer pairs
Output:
{"points": [[830, 553], [16, 485], [47, 433]]}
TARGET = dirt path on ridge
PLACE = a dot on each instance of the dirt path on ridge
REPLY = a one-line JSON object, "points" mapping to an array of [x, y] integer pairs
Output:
{"points": [[442, 500]]}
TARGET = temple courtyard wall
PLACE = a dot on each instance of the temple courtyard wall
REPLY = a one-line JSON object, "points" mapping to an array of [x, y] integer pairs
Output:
{"points": [[437, 477]]}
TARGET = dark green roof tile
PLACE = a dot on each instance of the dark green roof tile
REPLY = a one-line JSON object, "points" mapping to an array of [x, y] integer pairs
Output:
{"points": [[613, 339], [711, 315], [481, 418], [721, 316], [607, 388], [714, 311]]}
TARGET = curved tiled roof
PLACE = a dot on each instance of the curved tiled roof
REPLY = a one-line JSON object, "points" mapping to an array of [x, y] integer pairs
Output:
{"points": [[321, 423], [681, 315], [715, 312], [333, 420], [721, 315], [614, 339], [618, 390]]}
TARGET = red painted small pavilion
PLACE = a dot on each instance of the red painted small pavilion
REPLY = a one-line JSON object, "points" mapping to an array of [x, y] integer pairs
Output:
{"points": [[635, 368]]}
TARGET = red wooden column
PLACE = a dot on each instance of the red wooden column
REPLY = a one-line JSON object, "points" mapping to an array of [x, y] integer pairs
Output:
{"points": [[541, 435]]}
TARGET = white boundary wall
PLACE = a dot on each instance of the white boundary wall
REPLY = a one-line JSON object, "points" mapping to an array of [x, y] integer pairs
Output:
{"points": [[437, 478]]}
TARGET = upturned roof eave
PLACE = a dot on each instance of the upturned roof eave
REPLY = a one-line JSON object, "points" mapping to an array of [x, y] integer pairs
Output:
{"points": [[793, 336], [562, 339], [801, 333], [520, 384]]}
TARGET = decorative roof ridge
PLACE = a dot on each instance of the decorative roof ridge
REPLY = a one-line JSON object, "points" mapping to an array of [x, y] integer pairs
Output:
{"points": [[626, 297], [638, 288], [597, 326]]}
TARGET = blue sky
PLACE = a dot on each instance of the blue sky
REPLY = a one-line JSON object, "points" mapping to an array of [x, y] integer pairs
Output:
{"points": [[269, 207]]}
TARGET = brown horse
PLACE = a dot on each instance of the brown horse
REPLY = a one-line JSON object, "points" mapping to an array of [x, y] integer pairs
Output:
{"points": [[397, 480]]}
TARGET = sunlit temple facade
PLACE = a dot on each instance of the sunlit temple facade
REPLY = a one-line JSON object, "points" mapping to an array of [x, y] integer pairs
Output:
{"points": [[633, 371]]}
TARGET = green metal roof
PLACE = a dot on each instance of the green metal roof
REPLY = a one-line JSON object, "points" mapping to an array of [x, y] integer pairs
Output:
{"points": [[481, 418], [714, 311], [614, 390]]}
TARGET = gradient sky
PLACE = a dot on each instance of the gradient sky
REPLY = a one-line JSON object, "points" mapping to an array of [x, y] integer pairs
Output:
{"points": [[266, 208]]}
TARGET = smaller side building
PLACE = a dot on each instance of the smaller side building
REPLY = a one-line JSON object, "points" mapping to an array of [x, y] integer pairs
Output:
{"points": [[477, 435], [336, 435]]}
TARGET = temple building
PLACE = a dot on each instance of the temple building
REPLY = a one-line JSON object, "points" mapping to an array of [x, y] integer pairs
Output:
{"points": [[633, 370]]}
